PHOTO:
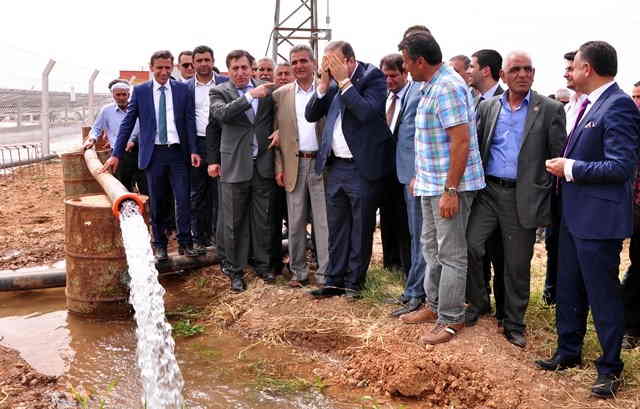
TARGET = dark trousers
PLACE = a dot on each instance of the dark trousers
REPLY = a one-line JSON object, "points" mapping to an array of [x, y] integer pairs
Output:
{"points": [[631, 282], [129, 175], [351, 209], [247, 222], [414, 284], [494, 262], [551, 239], [278, 217], [394, 226], [204, 204], [169, 172], [588, 278], [495, 207]]}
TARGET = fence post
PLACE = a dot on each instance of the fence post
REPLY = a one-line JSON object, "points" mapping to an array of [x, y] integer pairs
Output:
{"points": [[19, 113], [44, 109], [92, 114]]}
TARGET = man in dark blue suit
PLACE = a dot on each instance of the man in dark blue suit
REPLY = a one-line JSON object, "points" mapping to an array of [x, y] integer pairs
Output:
{"points": [[165, 109], [204, 189], [596, 172], [356, 152]]}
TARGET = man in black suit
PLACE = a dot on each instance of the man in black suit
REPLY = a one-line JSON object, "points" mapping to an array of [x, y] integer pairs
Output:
{"points": [[484, 73], [356, 152], [517, 131], [240, 155]]}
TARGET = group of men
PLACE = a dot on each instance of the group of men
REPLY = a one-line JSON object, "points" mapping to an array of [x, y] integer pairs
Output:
{"points": [[463, 172]]}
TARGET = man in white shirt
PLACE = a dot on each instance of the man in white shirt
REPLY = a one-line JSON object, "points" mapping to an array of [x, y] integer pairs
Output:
{"points": [[295, 167], [204, 189]]}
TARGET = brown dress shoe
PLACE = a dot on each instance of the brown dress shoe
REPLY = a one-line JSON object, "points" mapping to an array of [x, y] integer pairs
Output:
{"points": [[421, 316], [441, 333]]}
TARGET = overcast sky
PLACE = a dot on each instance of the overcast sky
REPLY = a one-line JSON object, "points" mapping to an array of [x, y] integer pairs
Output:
{"points": [[83, 35]]}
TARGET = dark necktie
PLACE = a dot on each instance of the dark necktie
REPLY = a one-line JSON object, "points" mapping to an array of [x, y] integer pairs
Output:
{"points": [[583, 108], [162, 117], [392, 108]]}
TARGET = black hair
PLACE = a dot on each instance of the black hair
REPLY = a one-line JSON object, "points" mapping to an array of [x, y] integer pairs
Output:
{"points": [[489, 58], [422, 45]]}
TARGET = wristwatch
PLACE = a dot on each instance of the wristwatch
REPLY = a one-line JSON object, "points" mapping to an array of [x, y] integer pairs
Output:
{"points": [[450, 190]]}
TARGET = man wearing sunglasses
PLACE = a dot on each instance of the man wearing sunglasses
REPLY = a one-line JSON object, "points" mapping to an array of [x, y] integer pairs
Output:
{"points": [[185, 66]]}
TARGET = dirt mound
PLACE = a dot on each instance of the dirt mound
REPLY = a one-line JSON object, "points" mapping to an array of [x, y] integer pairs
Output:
{"points": [[21, 387]]}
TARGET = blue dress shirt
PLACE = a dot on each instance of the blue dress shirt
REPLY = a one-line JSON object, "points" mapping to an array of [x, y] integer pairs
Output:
{"points": [[109, 120], [507, 139]]}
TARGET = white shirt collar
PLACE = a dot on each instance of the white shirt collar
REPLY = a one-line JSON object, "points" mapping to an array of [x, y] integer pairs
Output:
{"points": [[491, 91], [157, 85], [596, 93], [297, 88], [400, 93], [212, 81]]}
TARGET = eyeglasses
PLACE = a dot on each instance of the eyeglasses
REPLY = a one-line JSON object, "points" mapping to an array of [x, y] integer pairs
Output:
{"points": [[186, 65]]}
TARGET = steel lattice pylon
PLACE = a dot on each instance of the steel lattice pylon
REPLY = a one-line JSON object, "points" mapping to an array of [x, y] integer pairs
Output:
{"points": [[300, 24]]}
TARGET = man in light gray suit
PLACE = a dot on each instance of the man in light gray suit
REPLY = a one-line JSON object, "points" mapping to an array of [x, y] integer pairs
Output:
{"points": [[517, 131], [241, 156]]}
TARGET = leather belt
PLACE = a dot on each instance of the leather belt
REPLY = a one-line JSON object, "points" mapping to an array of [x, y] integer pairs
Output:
{"points": [[506, 183], [167, 145], [306, 155], [348, 160]]}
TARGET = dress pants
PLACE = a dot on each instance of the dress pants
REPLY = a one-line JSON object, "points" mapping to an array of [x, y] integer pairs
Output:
{"points": [[394, 228], [278, 215], [495, 207], [168, 172], [351, 208], [414, 284], [308, 199], [631, 282], [493, 265], [204, 201], [588, 278], [247, 223], [551, 237], [130, 175]]}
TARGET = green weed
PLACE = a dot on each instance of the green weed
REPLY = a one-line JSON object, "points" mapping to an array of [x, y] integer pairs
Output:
{"points": [[184, 328]]}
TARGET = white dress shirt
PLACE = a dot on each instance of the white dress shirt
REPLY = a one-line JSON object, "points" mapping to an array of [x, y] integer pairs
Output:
{"points": [[572, 109], [593, 97], [396, 112], [202, 104], [339, 143], [307, 139], [172, 131]]}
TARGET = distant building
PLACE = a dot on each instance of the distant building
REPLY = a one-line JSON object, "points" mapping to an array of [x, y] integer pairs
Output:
{"points": [[135, 77]]}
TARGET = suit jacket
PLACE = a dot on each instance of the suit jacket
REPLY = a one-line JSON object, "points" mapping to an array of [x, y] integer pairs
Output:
{"points": [[404, 134], [142, 108], [543, 138], [230, 145], [191, 83], [218, 79], [286, 123], [598, 203], [363, 122]]}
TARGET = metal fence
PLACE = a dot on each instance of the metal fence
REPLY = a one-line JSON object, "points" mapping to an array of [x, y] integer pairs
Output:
{"points": [[36, 124]]}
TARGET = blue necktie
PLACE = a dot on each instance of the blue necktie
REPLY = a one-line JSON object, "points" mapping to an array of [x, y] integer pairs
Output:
{"points": [[162, 117]]}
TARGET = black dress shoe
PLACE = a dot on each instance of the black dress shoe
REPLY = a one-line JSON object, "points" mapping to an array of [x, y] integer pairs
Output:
{"points": [[268, 277], [515, 338], [352, 295], [606, 386], [160, 254], [237, 284], [413, 304], [558, 363], [188, 250], [630, 342], [200, 248], [402, 300], [326, 292], [471, 317]]}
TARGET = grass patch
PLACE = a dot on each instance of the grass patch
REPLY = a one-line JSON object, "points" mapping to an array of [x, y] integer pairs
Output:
{"points": [[184, 328], [382, 284], [266, 381], [184, 311]]}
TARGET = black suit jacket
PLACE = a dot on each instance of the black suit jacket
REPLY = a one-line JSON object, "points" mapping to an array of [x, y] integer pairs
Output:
{"points": [[543, 138]]}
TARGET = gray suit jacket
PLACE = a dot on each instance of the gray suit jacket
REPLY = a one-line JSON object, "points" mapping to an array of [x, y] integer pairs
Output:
{"points": [[231, 145], [404, 134], [544, 136]]}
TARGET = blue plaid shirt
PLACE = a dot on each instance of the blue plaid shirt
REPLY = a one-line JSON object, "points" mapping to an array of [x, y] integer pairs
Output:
{"points": [[446, 102]]}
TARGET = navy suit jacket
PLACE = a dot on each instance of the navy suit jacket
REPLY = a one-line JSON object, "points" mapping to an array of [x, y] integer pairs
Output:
{"points": [[363, 122], [598, 203], [142, 107]]}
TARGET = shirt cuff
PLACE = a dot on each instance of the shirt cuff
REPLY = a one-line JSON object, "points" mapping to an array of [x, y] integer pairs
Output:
{"points": [[568, 169], [320, 94], [345, 89], [248, 97]]}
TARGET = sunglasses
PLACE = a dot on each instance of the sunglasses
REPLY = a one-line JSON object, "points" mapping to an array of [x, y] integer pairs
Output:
{"points": [[186, 65]]}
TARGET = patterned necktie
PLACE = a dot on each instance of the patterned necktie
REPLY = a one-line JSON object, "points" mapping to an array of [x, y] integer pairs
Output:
{"points": [[583, 108], [392, 108], [162, 117]]}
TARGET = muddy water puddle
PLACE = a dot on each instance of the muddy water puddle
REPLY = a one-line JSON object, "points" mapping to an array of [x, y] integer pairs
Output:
{"points": [[220, 371]]}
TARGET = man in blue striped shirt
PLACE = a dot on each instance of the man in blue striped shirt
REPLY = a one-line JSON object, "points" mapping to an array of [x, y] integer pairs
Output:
{"points": [[108, 122]]}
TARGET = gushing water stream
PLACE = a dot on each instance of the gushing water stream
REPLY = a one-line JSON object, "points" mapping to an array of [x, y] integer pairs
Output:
{"points": [[161, 378]]}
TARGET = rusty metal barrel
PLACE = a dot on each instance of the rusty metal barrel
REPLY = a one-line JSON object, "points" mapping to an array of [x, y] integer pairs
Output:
{"points": [[95, 258], [76, 177]]}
